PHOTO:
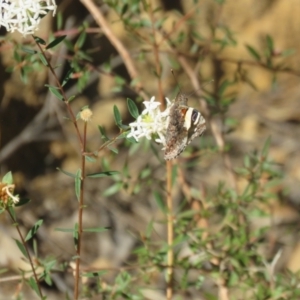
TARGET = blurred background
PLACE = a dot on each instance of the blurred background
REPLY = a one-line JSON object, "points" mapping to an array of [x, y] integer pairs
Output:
{"points": [[244, 57]]}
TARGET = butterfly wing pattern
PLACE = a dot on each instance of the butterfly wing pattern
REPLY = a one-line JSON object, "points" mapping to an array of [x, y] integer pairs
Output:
{"points": [[185, 123]]}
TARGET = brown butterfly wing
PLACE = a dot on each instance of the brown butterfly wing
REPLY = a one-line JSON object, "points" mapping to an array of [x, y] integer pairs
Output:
{"points": [[178, 136]]}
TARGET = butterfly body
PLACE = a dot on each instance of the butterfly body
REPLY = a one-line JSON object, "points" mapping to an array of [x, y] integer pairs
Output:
{"points": [[185, 123]]}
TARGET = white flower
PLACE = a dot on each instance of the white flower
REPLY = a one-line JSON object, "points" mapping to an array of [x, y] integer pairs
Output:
{"points": [[24, 15], [151, 122]]}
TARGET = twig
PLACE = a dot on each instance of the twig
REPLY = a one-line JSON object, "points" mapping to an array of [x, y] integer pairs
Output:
{"points": [[170, 230], [80, 215], [27, 252], [155, 47], [128, 62]]}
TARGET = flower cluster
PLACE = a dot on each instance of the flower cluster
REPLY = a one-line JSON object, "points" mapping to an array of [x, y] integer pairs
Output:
{"points": [[152, 122], [24, 15], [6, 193]]}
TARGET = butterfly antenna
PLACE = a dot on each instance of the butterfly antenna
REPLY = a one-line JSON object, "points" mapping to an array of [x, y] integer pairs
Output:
{"points": [[205, 84]]}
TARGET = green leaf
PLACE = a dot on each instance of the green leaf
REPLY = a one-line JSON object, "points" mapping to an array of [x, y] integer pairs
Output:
{"points": [[96, 229], [132, 108], [78, 183], [33, 230], [22, 248], [39, 40], [29, 51], [67, 78], [117, 116], [103, 133], [43, 59], [253, 52], [90, 158], [112, 149], [270, 43], [64, 229], [160, 202], [81, 39], [119, 80], [55, 92], [266, 147], [113, 189], [75, 235], [67, 173], [224, 85], [71, 98], [94, 274], [103, 174], [56, 41], [124, 9], [32, 283], [8, 178], [22, 201]]}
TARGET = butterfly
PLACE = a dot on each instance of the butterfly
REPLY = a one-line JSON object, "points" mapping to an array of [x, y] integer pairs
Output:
{"points": [[185, 123]]}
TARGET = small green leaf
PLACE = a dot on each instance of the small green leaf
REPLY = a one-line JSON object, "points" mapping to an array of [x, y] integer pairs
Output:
{"points": [[33, 230], [81, 40], [29, 51], [270, 43], [103, 174], [113, 189], [22, 248], [43, 59], [39, 40], [56, 41], [96, 229], [32, 283], [67, 173], [253, 52], [224, 85], [78, 183], [67, 77], [55, 92], [71, 98], [94, 274], [75, 235], [112, 149], [124, 9], [8, 178], [132, 108], [160, 202], [266, 147], [117, 116], [90, 158], [103, 133], [22, 201], [64, 229]]}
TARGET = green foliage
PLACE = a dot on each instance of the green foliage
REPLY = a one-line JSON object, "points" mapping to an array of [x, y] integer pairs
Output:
{"points": [[215, 241]]}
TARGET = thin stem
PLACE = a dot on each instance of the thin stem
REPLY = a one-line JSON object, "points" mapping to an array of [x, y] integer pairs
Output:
{"points": [[80, 215], [169, 292], [27, 252], [156, 58], [73, 118], [115, 41]]}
